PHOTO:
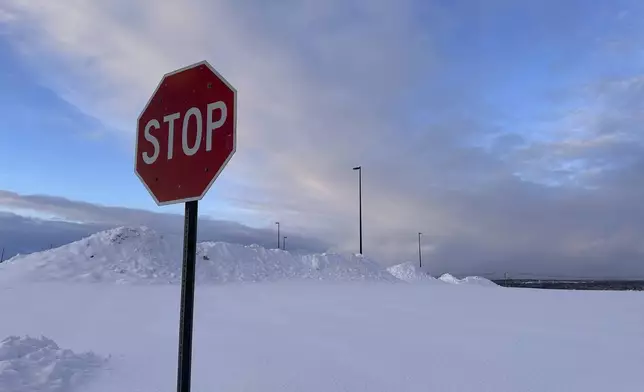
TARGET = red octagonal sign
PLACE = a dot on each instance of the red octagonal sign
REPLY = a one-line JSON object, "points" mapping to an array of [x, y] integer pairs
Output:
{"points": [[186, 134]]}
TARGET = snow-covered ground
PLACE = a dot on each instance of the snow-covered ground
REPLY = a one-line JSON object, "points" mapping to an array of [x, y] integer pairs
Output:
{"points": [[333, 323], [38, 364]]}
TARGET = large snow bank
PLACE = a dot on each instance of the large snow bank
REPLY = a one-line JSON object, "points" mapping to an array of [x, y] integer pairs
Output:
{"points": [[469, 280], [31, 364], [409, 272], [142, 255]]}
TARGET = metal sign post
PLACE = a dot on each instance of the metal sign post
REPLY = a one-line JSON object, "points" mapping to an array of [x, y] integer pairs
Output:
{"points": [[187, 296]]}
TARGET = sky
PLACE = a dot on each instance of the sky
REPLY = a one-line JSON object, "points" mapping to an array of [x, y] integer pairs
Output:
{"points": [[508, 133]]}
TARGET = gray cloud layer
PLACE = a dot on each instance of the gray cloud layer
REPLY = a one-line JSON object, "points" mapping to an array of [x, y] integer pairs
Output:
{"points": [[21, 234]]}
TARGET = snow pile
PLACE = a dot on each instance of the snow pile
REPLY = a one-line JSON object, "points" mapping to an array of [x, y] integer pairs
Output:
{"points": [[478, 281], [29, 364], [220, 262], [409, 272], [449, 278], [470, 280], [328, 266], [117, 255], [140, 255]]}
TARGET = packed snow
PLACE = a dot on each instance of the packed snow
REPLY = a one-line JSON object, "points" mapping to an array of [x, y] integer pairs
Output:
{"points": [[38, 364], [321, 322]]}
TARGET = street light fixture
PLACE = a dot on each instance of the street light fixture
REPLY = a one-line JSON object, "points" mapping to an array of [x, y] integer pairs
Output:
{"points": [[278, 234], [359, 169], [420, 255]]}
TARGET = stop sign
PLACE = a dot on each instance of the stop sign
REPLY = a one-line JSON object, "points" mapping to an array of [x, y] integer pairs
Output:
{"points": [[186, 135]]}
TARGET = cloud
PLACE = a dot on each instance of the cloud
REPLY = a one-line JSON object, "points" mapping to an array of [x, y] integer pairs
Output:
{"points": [[66, 220], [20, 234], [325, 86]]}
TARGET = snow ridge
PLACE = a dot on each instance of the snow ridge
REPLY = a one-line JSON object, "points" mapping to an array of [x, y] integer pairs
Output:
{"points": [[140, 255]]}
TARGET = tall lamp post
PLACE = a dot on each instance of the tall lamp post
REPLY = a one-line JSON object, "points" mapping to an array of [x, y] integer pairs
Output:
{"points": [[359, 169], [420, 255], [278, 234]]}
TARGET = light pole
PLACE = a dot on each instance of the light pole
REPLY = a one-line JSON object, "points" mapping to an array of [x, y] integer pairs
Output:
{"points": [[420, 255], [284, 242], [278, 234], [359, 169]]}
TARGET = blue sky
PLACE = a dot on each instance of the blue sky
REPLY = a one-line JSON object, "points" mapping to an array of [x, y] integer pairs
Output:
{"points": [[455, 109], [54, 148]]}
